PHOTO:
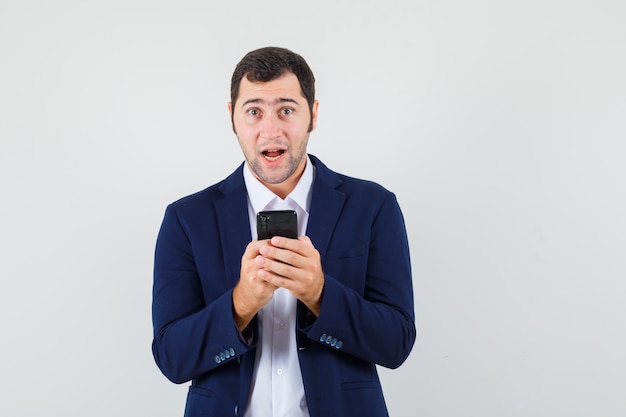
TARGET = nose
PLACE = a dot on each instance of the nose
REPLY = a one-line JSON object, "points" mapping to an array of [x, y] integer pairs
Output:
{"points": [[270, 127]]}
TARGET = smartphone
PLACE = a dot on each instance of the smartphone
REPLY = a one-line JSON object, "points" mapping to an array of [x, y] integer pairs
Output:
{"points": [[277, 223]]}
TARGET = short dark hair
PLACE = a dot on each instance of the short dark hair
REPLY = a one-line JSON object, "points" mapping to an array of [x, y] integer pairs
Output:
{"points": [[269, 63]]}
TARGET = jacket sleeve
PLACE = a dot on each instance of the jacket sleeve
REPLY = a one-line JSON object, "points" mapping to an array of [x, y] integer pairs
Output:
{"points": [[373, 320], [194, 329]]}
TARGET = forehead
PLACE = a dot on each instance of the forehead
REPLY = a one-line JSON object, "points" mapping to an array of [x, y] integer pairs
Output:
{"points": [[286, 86]]}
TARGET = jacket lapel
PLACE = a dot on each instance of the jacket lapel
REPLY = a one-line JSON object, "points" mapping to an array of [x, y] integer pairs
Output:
{"points": [[233, 221], [326, 205]]}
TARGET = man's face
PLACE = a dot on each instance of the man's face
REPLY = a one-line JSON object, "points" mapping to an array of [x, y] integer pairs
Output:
{"points": [[271, 121]]}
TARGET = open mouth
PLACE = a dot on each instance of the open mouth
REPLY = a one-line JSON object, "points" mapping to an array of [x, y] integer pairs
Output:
{"points": [[273, 155]]}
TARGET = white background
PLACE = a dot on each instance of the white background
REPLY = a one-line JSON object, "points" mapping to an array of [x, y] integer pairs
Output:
{"points": [[500, 125]]}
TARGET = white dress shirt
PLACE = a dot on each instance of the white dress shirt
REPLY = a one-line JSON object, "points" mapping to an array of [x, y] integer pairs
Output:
{"points": [[277, 389]]}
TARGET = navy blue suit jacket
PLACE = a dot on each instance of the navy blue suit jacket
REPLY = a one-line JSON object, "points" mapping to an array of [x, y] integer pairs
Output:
{"points": [[366, 315]]}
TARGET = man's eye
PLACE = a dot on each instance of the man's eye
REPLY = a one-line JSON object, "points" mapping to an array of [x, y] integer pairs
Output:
{"points": [[254, 112], [286, 111]]}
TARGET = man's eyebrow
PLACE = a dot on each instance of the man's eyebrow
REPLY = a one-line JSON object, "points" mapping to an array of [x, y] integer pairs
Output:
{"points": [[279, 100]]}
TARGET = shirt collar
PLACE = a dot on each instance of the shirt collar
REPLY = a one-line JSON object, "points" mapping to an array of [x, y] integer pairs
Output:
{"points": [[260, 196]]}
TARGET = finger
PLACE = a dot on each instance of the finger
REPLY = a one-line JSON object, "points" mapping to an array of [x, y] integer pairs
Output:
{"points": [[305, 239], [301, 245], [252, 249], [286, 256], [294, 245], [276, 267], [278, 281]]}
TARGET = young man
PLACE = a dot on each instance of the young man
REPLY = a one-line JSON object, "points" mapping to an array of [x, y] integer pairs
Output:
{"points": [[280, 326]]}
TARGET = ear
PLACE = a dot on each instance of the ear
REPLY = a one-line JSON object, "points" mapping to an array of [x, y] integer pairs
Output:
{"points": [[314, 116], [232, 118]]}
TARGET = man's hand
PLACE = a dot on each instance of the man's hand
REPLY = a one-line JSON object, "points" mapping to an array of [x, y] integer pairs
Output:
{"points": [[252, 292], [293, 264]]}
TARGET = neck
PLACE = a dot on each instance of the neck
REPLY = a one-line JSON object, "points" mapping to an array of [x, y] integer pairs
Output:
{"points": [[283, 189]]}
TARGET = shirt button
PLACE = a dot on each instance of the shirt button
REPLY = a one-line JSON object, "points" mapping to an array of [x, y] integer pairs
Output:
{"points": [[282, 326], [279, 371]]}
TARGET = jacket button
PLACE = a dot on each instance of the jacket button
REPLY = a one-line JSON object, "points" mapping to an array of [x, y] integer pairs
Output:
{"points": [[232, 352], [323, 337], [339, 344], [329, 339], [217, 359]]}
